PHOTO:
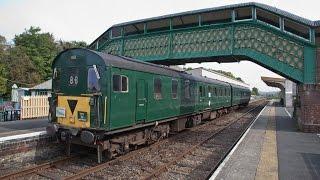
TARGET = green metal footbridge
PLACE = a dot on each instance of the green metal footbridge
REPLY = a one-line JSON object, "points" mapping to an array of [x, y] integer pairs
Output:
{"points": [[273, 38]]}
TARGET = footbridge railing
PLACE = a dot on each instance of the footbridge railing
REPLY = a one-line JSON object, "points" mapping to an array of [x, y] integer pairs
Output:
{"points": [[275, 39]]}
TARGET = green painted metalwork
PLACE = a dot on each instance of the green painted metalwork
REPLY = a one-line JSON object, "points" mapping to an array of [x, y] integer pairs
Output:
{"points": [[261, 43], [291, 54]]}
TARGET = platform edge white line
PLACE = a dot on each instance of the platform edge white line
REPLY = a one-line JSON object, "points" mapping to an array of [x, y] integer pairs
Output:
{"points": [[21, 136], [218, 170], [287, 112]]}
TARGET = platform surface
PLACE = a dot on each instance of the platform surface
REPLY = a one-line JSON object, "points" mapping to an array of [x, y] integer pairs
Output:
{"points": [[273, 148], [11, 128]]}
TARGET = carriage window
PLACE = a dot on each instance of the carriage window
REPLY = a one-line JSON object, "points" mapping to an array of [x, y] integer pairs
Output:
{"points": [[174, 89], [200, 91], [187, 89], [124, 84], [157, 88], [93, 81], [120, 83], [209, 91], [203, 91]]}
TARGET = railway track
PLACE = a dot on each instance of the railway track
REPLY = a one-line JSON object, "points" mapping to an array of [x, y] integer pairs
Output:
{"points": [[42, 171], [35, 169], [200, 161], [180, 156]]}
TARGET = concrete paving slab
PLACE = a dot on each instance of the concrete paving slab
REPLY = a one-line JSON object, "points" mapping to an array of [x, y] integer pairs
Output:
{"points": [[243, 163], [298, 153], [10, 128]]}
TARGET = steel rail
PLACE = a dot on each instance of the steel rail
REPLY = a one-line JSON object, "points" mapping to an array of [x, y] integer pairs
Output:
{"points": [[166, 166], [102, 166], [34, 169], [131, 154]]}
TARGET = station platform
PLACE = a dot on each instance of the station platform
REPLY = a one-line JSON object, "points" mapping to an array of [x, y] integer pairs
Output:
{"points": [[273, 148], [19, 127]]}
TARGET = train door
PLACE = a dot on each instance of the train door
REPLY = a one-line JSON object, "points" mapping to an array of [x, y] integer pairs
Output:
{"points": [[202, 99], [141, 106]]}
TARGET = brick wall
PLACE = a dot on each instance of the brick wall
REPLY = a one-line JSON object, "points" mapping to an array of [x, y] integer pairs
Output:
{"points": [[308, 110], [318, 66]]}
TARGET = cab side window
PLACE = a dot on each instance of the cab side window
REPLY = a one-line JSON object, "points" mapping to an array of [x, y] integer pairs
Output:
{"points": [[56, 79], [93, 81]]}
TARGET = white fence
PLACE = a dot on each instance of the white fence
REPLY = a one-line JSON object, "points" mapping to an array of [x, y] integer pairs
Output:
{"points": [[34, 107]]}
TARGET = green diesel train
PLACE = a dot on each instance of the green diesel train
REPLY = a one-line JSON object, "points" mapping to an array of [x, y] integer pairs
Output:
{"points": [[115, 103]]}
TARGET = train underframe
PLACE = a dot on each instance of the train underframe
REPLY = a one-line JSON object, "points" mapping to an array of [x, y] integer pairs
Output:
{"points": [[119, 142]]}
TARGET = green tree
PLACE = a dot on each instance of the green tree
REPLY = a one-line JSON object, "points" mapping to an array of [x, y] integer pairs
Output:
{"points": [[3, 68], [39, 47], [2, 45], [228, 74], [62, 45], [22, 71], [255, 91], [28, 61], [187, 68], [3, 78], [239, 79]]}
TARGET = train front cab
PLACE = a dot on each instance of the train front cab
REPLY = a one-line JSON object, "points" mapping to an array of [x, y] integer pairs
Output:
{"points": [[79, 98]]}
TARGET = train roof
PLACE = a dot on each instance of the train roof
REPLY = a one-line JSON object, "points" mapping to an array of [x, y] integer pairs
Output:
{"points": [[129, 63], [239, 86]]}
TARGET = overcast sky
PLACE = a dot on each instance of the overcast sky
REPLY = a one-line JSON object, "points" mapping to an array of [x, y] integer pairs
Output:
{"points": [[86, 20]]}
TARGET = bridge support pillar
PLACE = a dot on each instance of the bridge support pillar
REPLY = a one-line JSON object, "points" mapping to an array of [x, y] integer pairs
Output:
{"points": [[307, 109], [290, 92]]}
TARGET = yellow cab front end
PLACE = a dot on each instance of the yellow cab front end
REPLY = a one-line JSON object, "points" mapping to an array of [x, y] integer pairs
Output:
{"points": [[73, 111]]}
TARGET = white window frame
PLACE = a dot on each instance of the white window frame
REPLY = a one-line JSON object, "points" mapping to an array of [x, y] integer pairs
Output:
{"points": [[121, 76]]}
